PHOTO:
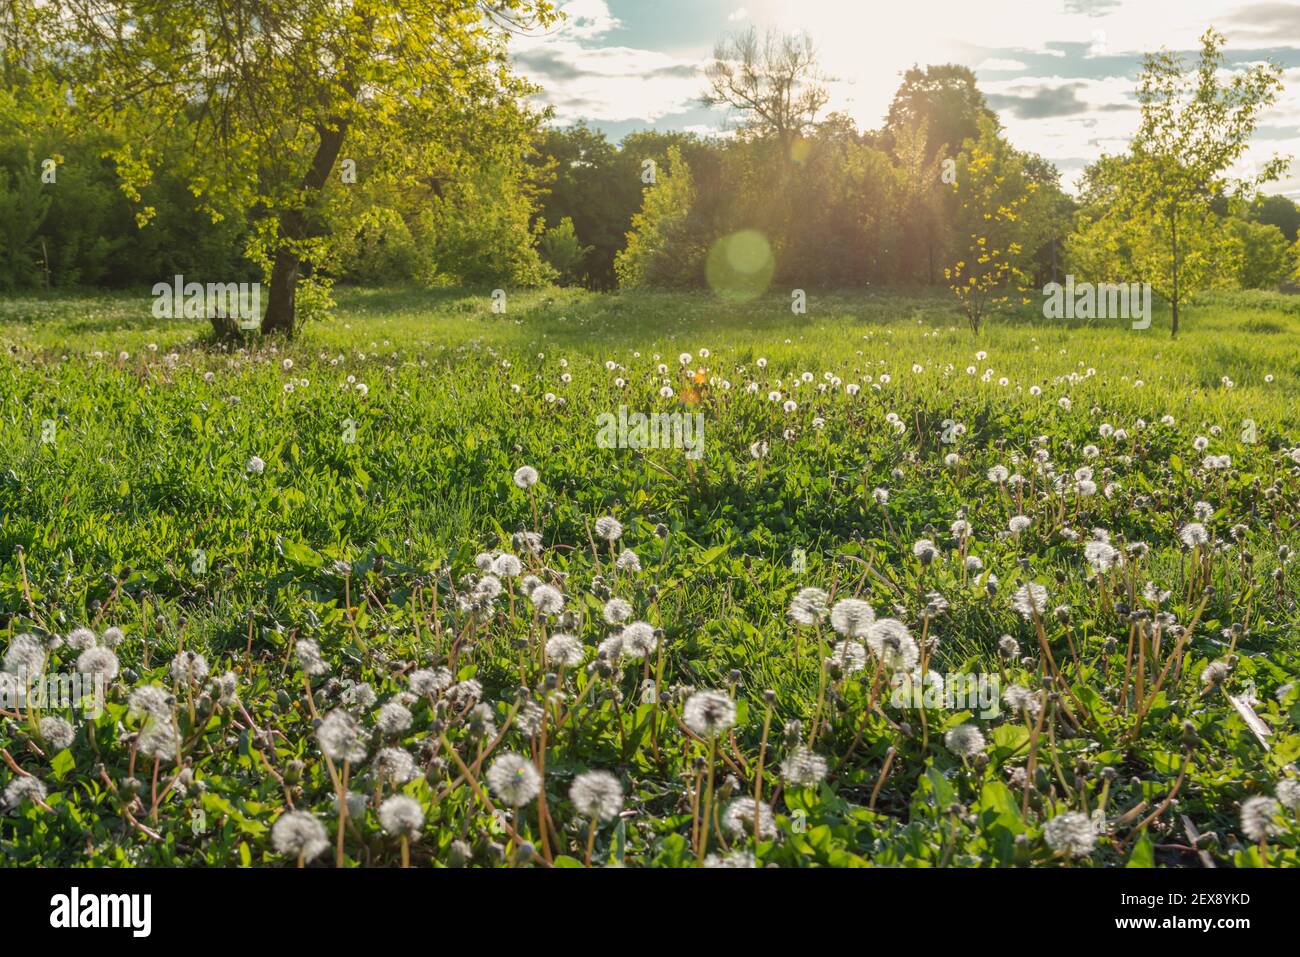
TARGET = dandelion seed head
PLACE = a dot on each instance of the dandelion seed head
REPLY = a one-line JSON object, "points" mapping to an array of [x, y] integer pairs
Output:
{"points": [[891, 642], [299, 834], [1071, 833], [851, 617], [341, 737], [709, 713], [1259, 818], [56, 731], [738, 819], [514, 779], [804, 767], [98, 661], [401, 816], [965, 740], [597, 794]]}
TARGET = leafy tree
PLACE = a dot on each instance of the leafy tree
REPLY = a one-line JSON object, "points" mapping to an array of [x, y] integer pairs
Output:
{"points": [[1159, 204], [991, 231], [276, 89], [22, 211], [658, 252], [566, 255], [925, 204], [942, 99], [1265, 260], [1277, 211]]}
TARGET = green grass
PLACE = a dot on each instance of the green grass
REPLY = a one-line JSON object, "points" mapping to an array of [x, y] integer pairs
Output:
{"points": [[123, 481]]}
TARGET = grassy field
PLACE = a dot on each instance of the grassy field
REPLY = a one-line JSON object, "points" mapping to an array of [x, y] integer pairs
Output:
{"points": [[323, 523]]}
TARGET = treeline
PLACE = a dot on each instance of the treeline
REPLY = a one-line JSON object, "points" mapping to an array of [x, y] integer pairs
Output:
{"points": [[936, 196]]}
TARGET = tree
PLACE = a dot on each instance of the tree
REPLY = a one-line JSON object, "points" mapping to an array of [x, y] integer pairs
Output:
{"points": [[773, 83], [944, 100], [274, 90], [1265, 261], [991, 231], [1277, 211], [1158, 210], [925, 203], [561, 248], [658, 252]]}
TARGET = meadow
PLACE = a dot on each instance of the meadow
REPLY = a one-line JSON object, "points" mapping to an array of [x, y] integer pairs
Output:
{"points": [[378, 595]]}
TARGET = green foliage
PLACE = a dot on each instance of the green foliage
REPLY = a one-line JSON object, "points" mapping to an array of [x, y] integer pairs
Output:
{"points": [[560, 247], [1277, 211], [658, 251], [1265, 259], [1154, 214], [994, 231], [23, 208], [942, 99], [409, 86]]}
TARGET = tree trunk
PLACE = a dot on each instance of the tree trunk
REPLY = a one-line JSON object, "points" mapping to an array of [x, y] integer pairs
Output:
{"points": [[293, 227], [1173, 224]]}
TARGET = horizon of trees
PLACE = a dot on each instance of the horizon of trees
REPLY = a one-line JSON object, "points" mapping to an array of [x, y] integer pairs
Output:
{"points": [[494, 196]]}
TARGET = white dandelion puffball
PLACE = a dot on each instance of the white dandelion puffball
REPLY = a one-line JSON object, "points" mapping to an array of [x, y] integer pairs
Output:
{"points": [[708, 713], [803, 767], [341, 737], [809, 606], [299, 834], [401, 816], [547, 600], [849, 656], [56, 731], [564, 650], [98, 661], [25, 656], [609, 528], [1029, 599], [189, 667], [1071, 833], [891, 642], [525, 476], [597, 794], [255, 466], [514, 779], [738, 818], [851, 617], [965, 740], [617, 611], [1259, 818]]}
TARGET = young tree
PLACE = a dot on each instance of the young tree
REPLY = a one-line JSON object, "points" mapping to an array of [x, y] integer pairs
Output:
{"points": [[566, 255], [275, 90], [658, 251], [773, 83], [991, 232], [1157, 209]]}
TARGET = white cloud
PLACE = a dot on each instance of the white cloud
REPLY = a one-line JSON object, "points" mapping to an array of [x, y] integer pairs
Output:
{"points": [[1068, 118], [586, 19], [1000, 64], [609, 83]]}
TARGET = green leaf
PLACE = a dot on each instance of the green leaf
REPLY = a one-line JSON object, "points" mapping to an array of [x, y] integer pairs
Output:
{"points": [[1143, 854]]}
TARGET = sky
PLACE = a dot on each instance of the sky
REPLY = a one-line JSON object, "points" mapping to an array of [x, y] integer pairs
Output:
{"points": [[1060, 73]]}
